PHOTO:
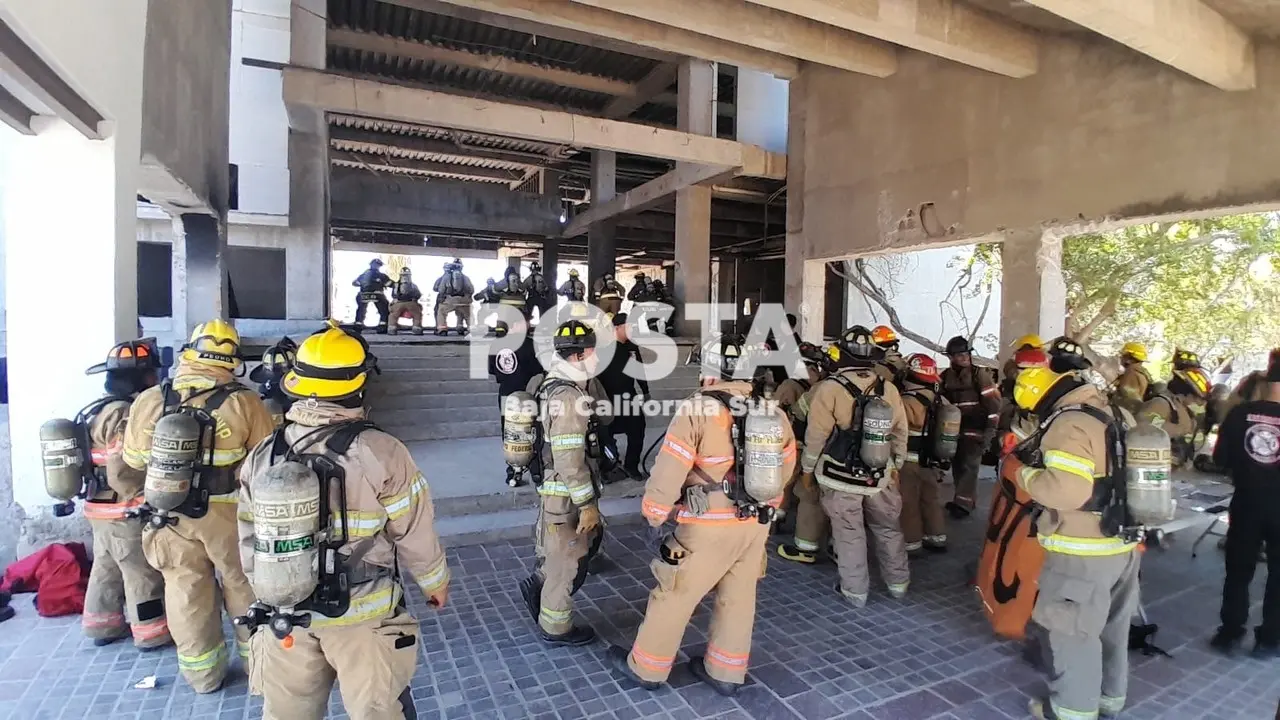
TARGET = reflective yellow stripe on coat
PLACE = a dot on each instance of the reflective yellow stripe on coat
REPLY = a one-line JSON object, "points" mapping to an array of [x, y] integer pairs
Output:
{"points": [[1085, 547]]}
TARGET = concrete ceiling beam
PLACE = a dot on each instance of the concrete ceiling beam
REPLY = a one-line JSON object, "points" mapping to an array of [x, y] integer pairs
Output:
{"points": [[15, 114], [761, 27], [946, 28], [336, 93], [678, 39], [372, 42], [647, 90], [364, 141], [647, 195], [1185, 34], [21, 63], [403, 166]]}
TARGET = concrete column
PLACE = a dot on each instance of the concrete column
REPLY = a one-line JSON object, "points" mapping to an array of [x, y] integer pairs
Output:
{"points": [[601, 252], [1033, 293], [762, 110], [199, 272], [804, 292], [696, 113], [551, 258]]}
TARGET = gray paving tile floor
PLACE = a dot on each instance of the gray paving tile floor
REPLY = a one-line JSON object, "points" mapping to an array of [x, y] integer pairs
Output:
{"points": [[928, 656]]}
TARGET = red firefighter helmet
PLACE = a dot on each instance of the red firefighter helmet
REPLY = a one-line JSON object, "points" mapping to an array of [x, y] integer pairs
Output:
{"points": [[1030, 357], [922, 368]]}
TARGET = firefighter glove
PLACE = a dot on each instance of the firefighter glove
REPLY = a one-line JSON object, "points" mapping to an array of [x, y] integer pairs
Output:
{"points": [[588, 518]]}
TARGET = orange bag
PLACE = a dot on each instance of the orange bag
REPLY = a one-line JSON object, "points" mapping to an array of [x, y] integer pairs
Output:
{"points": [[1009, 569]]}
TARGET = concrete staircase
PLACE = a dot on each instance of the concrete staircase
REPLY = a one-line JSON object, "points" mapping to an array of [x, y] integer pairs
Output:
{"points": [[425, 391]]}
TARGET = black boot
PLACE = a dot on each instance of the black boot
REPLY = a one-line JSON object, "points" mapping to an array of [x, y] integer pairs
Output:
{"points": [[959, 512], [621, 668], [1226, 640], [1264, 647], [698, 667], [103, 642], [576, 637], [514, 479]]}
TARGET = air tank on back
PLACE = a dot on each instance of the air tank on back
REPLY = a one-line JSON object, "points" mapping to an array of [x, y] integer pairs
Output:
{"points": [[64, 459], [877, 421], [519, 413], [175, 443], [946, 431], [763, 451], [286, 528], [1148, 463]]}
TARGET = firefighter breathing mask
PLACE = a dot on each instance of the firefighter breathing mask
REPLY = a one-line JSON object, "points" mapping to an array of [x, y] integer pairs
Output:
{"points": [[215, 344], [330, 365], [720, 358]]}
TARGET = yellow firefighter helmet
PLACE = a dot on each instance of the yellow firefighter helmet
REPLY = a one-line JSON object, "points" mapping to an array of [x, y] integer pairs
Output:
{"points": [[330, 365], [1030, 340], [1032, 385], [1135, 350], [214, 343]]}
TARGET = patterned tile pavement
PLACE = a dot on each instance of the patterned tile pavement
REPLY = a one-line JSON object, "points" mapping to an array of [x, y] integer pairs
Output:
{"points": [[928, 656]]}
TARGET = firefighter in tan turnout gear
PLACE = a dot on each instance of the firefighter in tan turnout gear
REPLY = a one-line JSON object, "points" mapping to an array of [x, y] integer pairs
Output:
{"points": [[1131, 386], [1179, 409], [190, 510], [1089, 583], [569, 528], [82, 458], [724, 493], [811, 525], [854, 445], [934, 428], [330, 605], [971, 389], [892, 366]]}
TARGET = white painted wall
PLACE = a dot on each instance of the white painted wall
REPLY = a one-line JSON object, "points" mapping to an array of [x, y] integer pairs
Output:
{"points": [[259, 136], [69, 219], [762, 110], [920, 283]]}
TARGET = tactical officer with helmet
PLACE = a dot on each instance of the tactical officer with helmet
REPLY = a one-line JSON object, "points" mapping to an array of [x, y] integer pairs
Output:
{"points": [[569, 528], [277, 360], [573, 288], [724, 466], [373, 284], [854, 445], [1072, 467], [1131, 387], [333, 608], [538, 291], [971, 389], [893, 366], [125, 595], [1179, 408], [933, 430], [190, 509], [607, 294]]}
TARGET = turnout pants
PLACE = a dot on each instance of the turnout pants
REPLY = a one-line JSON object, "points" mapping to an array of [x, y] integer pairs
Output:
{"points": [[921, 510], [611, 305], [372, 661], [125, 594], [812, 525], [362, 306], [461, 306], [728, 558], [400, 309], [1252, 524], [562, 557], [1085, 605], [964, 470], [188, 554], [852, 515]]}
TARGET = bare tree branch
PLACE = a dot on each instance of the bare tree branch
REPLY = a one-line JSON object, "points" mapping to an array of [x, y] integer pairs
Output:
{"points": [[859, 279], [977, 325], [1104, 313]]}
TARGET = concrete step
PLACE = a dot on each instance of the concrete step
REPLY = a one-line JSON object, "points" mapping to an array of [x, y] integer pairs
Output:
{"points": [[427, 362], [419, 416], [411, 373], [384, 385], [409, 401], [517, 524], [443, 431]]}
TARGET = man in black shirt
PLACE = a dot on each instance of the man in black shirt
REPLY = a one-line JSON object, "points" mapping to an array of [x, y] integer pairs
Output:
{"points": [[621, 389], [1249, 449], [513, 369]]}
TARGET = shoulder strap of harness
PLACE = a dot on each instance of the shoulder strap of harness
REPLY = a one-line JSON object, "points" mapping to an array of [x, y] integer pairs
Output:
{"points": [[1174, 416], [804, 383], [340, 441], [88, 412]]}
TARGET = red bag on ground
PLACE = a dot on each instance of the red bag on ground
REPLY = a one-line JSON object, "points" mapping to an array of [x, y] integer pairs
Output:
{"points": [[1009, 570], [58, 574]]}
